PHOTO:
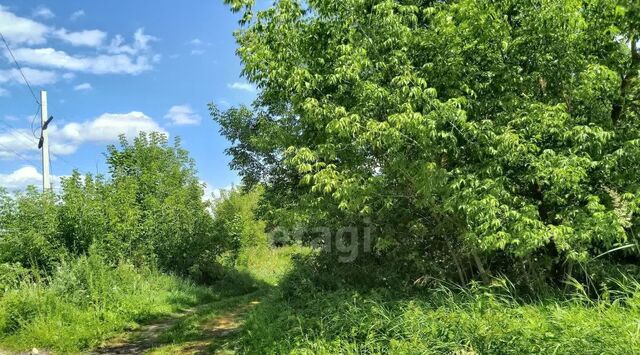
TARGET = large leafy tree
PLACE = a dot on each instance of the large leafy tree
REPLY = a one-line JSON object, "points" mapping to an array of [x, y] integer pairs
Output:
{"points": [[464, 129], [149, 211], [154, 202]]}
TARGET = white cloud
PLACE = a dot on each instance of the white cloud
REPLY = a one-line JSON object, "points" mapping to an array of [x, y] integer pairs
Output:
{"points": [[43, 12], [35, 76], [25, 176], [212, 194], [18, 144], [120, 57], [66, 139], [88, 38], [4, 92], [197, 42], [83, 87], [21, 30], [101, 64], [106, 128], [76, 15], [140, 43], [242, 86], [68, 76], [182, 115], [197, 52]]}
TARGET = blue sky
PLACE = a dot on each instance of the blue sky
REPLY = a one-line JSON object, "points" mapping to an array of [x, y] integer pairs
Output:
{"points": [[115, 67]]}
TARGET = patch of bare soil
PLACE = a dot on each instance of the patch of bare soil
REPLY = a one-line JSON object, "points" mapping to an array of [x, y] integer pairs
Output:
{"points": [[146, 338]]}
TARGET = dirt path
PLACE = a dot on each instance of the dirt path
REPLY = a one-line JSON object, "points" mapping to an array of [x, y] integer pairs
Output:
{"points": [[201, 330]]}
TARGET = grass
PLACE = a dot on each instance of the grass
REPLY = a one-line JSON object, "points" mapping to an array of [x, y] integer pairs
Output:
{"points": [[272, 302], [263, 268], [348, 322], [303, 319], [269, 265], [86, 301]]}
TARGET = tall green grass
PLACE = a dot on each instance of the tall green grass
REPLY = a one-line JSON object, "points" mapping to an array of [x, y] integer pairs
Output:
{"points": [[482, 320], [269, 265], [87, 301]]}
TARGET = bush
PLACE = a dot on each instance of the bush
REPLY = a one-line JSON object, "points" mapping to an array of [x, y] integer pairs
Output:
{"points": [[149, 213], [236, 223], [12, 275], [29, 233]]}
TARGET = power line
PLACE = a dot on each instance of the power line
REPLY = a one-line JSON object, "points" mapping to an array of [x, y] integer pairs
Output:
{"points": [[26, 81], [20, 156], [19, 68], [16, 130], [65, 161], [33, 120]]}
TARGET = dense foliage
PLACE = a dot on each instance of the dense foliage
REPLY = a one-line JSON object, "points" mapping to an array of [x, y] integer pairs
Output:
{"points": [[475, 135], [236, 223], [150, 212], [78, 265]]}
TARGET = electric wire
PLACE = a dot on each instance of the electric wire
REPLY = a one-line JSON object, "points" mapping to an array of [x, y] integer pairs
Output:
{"points": [[33, 120], [14, 130], [24, 77], [18, 131], [18, 155]]}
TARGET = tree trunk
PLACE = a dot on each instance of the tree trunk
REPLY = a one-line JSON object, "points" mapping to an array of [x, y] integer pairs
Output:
{"points": [[481, 269]]}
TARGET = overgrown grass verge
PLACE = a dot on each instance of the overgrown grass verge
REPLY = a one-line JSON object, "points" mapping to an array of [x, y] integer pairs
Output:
{"points": [[87, 301], [444, 320], [269, 265]]}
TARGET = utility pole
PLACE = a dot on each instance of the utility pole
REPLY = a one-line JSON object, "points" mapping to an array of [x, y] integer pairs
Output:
{"points": [[46, 183]]}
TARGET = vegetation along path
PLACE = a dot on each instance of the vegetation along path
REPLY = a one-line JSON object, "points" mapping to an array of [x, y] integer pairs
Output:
{"points": [[210, 328]]}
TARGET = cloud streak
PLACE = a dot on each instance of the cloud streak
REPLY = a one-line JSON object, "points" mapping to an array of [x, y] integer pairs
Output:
{"points": [[76, 15], [43, 13], [87, 38], [83, 87], [66, 139], [36, 76], [242, 86], [23, 177], [100, 64], [181, 115]]}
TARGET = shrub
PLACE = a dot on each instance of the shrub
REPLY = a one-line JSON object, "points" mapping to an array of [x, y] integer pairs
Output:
{"points": [[29, 233], [236, 224], [149, 212]]}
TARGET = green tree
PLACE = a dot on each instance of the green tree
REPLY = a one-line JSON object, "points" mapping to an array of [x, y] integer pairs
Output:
{"points": [[504, 133], [155, 201], [82, 218], [236, 223]]}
